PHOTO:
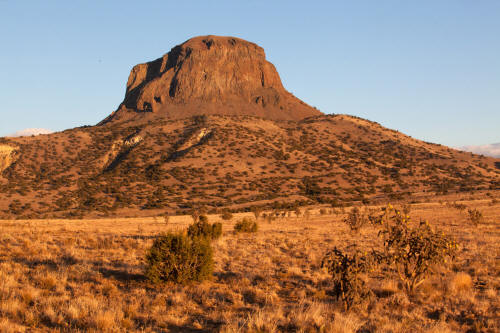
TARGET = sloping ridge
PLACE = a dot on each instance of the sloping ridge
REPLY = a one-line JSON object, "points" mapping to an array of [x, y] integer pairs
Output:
{"points": [[234, 162], [209, 75]]}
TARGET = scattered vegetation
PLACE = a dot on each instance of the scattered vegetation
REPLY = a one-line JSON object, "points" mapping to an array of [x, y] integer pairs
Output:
{"points": [[410, 251], [60, 275], [123, 168], [204, 229], [227, 215], [246, 225], [460, 206], [475, 216]]}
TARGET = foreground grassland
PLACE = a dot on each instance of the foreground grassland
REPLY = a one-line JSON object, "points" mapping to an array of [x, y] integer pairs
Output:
{"points": [[62, 275]]}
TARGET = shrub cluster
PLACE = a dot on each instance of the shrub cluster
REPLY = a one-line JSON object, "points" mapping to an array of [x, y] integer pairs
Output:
{"points": [[246, 225], [204, 229], [179, 258], [183, 257]]}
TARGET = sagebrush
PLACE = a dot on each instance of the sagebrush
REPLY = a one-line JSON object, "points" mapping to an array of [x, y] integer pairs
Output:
{"points": [[246, 225], [179, 258], [205, 229]]}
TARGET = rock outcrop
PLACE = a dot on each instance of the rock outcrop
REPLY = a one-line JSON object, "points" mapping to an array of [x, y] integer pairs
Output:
{"points": [[210, 75], [119, 150]]}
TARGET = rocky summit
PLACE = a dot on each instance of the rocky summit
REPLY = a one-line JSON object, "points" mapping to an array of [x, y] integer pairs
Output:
{"points": [[209, 75]]}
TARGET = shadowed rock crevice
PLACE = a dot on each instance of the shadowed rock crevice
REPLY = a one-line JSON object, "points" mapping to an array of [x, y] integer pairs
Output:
{"points": [[194, 136], [120, 150]]}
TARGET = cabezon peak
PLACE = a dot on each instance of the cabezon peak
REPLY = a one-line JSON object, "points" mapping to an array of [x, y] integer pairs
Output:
{"points": [[210, 75]]}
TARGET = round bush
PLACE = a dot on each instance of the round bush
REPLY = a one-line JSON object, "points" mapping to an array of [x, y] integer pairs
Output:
{"points": [[246, 225], [179, 258], [205, 229]]}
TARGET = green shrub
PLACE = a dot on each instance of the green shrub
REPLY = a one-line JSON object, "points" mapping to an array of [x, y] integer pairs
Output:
{"points": [[246, 225], [205, 229], [179, 258]]}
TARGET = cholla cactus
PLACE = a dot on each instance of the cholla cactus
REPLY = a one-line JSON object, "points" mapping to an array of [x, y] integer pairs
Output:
{"points": [[356, 219], [412, 250], [346, 273]]}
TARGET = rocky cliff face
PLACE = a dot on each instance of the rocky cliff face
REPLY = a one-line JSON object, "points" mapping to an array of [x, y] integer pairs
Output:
{"points": [[210, 75]]}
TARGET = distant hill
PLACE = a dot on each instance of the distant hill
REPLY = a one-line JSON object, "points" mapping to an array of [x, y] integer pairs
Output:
{"points": [[210, 125], [492, 150], [30, 131]]}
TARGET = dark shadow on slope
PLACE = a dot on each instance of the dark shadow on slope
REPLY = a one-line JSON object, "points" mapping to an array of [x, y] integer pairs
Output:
{"points": [[121, 275], [139, 237], [180, 153], [199, 122], [120, 157], [209, 325], [46, 263], [183, 329]]}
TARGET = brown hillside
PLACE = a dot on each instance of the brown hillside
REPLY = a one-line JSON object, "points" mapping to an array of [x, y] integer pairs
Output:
{"points": [[174, 165], [209, 75]]}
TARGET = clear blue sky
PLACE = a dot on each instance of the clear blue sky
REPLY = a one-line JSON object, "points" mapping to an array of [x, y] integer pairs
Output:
{"points": [[430, 69]]}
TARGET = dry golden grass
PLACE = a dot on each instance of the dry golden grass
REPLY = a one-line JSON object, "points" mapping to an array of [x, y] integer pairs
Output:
{"points": [[59, 275], [461, 283]]}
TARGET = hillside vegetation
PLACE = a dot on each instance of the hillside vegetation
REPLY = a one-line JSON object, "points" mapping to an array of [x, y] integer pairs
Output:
{"points": [[228, 161]]}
